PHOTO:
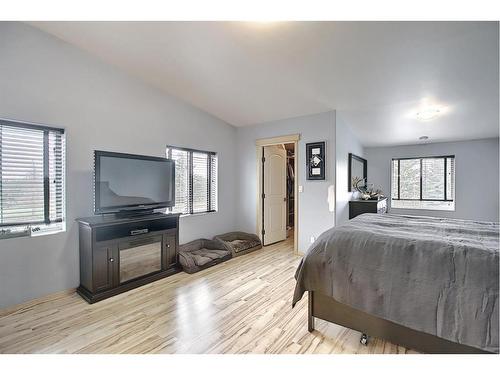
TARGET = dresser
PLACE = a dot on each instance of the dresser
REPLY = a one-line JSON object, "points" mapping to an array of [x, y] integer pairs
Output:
{"points": [[359, 206]]}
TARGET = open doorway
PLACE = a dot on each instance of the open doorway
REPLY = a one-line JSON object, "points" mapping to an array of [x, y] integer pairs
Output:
{"points": [[277, 190], [290, 191]]}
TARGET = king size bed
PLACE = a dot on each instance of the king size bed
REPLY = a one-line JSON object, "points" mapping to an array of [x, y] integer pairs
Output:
{"points": [[426, 283]]}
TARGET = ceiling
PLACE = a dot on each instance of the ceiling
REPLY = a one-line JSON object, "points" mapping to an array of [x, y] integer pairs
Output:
{"points": [[377, 75]]}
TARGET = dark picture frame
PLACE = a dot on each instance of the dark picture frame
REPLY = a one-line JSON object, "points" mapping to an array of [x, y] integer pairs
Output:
{"points": [[356, 159], [316, 160]]}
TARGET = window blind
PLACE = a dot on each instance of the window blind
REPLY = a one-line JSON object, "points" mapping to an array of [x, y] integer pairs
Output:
{"points": [[433, 178], [200, 187], [409, 179], [450, 178], [195, 180], [31, 178], [212, 204], [182, 180]]}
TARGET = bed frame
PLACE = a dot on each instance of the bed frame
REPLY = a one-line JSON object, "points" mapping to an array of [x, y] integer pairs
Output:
{"points": [[327, 308]]}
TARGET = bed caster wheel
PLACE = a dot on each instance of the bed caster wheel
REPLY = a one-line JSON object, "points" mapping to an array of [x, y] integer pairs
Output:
{"points": [[364, 339]]}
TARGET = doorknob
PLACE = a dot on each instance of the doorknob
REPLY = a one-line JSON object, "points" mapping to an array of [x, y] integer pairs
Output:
{"points": [[111, 260]]}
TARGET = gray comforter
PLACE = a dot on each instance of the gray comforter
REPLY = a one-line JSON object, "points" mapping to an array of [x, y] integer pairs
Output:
{"points": [[434, 275]]}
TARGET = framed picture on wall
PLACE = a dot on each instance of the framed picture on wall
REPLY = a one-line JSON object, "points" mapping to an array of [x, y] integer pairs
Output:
{"points": [[315, 160]]}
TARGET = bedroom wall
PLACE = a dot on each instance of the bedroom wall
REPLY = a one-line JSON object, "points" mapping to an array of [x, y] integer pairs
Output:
{"points": [[314, 216], [346, 142], [46, 80], [476, 175]]}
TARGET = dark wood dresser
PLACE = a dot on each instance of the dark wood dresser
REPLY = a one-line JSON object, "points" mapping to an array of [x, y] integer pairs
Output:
{"points": [[360, 206]]}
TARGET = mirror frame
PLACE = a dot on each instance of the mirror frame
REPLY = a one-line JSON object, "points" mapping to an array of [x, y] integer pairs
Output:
{"points": [[365, 170]]}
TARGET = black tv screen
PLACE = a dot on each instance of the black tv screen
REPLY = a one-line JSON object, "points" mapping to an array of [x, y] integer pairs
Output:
{"points": [[132, 182]]}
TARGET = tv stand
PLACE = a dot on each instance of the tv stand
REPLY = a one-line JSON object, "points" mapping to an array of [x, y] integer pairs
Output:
{"points": [[121, 253]]}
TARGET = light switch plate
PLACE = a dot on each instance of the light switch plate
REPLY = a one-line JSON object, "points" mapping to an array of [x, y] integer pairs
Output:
{"points": [[301, 188]]}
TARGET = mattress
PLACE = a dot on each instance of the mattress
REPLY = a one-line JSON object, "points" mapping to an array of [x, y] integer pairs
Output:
{"points": [[435, 275]]}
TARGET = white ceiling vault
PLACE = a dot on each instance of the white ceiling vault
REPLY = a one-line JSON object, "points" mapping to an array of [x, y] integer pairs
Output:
{"points": [[376, 74]]}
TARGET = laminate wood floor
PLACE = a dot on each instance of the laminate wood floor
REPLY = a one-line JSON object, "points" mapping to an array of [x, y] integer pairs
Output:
{"points": [[241, 306]]}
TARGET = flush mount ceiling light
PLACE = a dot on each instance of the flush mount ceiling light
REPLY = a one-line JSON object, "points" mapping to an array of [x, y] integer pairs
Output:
{"points": [[429, 113], [423, 138]]}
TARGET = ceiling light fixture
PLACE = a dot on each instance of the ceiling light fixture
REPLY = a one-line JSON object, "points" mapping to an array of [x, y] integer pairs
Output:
{"points": [[428, 114], [423, 138]]}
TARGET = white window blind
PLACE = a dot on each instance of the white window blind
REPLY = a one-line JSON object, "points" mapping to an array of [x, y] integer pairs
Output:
{"points": [[213, 182], [200, 182], [423, 183], [182, 184], [195, 180], [31, 179]]}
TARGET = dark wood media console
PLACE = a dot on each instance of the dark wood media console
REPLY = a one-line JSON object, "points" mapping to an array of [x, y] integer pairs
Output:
{"points": [[119, 254]]}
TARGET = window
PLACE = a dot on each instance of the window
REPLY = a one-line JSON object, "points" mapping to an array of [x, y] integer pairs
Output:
{"points": [[31, 179], [423, 183], [195, 180]]}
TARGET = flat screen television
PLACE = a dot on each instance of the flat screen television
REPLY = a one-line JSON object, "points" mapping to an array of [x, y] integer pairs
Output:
{"points": [[125, 182]]}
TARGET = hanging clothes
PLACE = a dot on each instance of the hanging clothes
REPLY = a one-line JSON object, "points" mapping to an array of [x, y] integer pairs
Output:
{"points": [[290, 178]]}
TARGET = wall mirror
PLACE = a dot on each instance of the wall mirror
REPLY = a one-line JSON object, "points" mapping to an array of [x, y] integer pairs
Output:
{"points": [[357, 169]]}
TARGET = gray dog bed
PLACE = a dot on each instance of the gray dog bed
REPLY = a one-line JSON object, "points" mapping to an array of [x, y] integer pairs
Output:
{"points": [[239, 243], [200, 254]]}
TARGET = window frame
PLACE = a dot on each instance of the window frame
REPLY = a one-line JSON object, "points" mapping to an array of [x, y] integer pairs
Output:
{"points": [[209, 154], [46, 176], [421, 158]]}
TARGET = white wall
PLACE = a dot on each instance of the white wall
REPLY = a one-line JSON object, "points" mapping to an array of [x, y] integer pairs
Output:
{"points": [[314, 216], [476, 176], [45, 80], [346, 142]]}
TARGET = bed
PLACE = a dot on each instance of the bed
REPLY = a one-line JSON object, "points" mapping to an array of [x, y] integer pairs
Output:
{"points": [[426, 283]]}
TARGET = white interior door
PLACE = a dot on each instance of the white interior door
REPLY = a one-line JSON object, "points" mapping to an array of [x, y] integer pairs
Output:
{"points": [[274, 200]]}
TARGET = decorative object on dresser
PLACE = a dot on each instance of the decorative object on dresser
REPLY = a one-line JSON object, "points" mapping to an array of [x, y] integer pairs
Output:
{"points": [[200, 254], [239, 243], [121, 253], [364, 206], [366, 191], [315, 160]]}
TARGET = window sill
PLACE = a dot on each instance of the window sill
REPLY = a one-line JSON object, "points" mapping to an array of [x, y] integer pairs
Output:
{"points": [[423, 209], [423, 205], [199, 214], [46, 233], [31, 234]]}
